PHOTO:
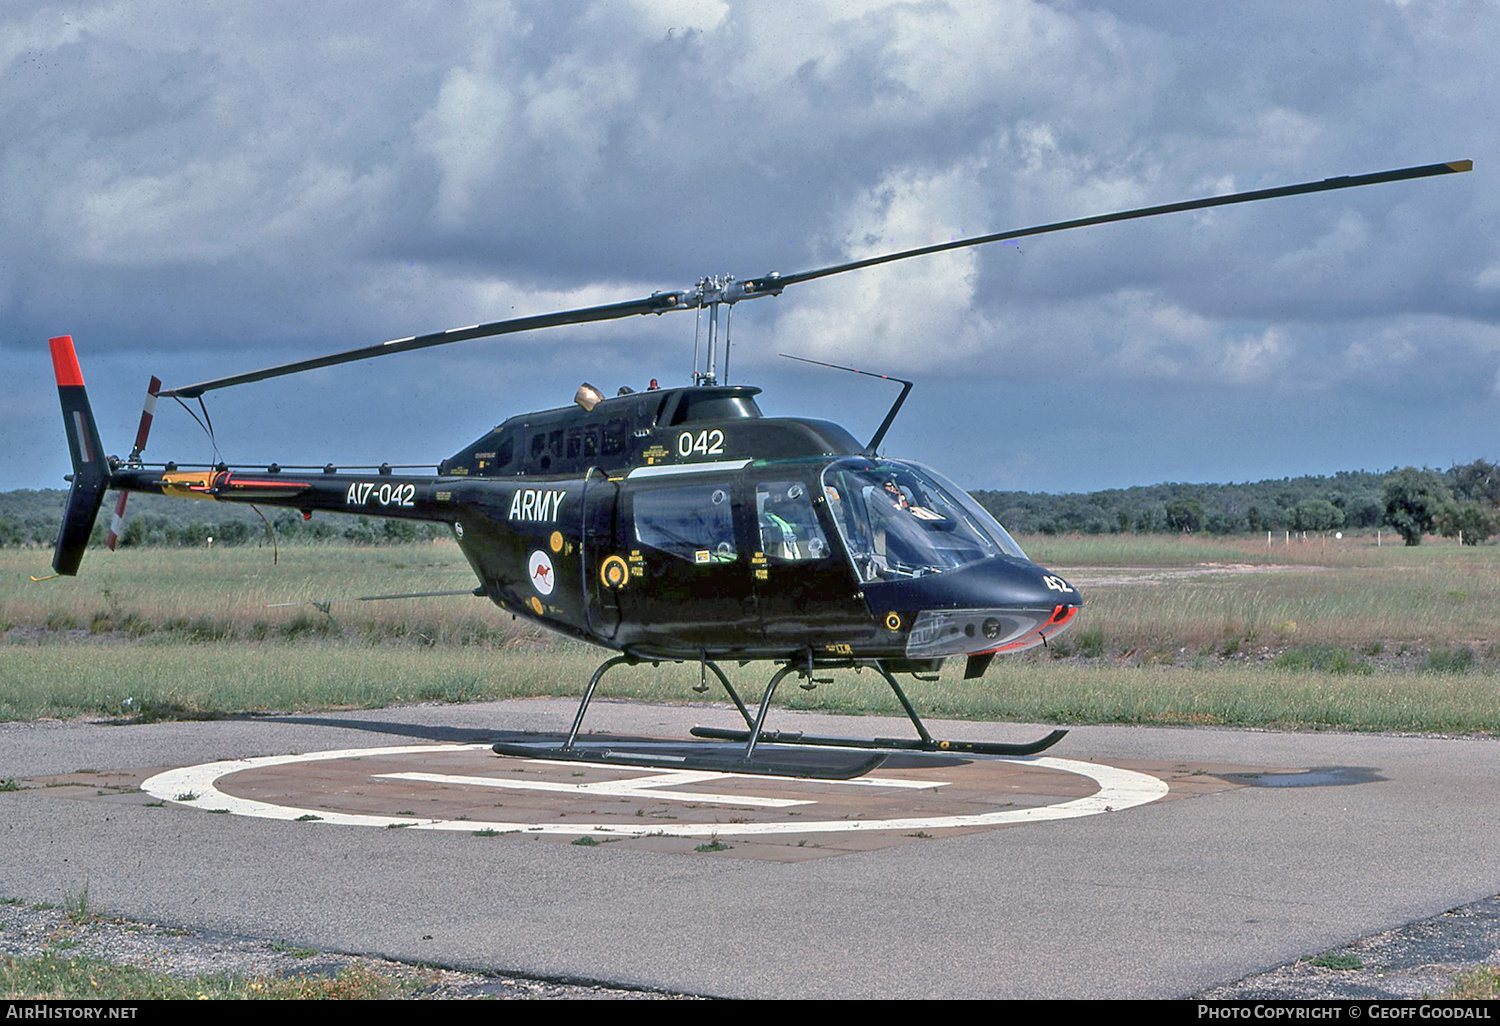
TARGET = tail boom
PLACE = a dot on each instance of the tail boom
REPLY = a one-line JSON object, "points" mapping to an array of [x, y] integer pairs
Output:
{"points": [[380, 495]]}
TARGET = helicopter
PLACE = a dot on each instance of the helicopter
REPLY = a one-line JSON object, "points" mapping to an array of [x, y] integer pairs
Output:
{"points": [[680, 524]]}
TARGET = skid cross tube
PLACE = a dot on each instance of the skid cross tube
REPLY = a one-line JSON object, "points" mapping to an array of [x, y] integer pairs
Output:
{"points": [[588, 695], [765, 706], [906, 704], [610, 664], [744, 712]]}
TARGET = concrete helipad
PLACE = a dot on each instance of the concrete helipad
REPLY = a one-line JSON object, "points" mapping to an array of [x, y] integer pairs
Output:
{"points": [[470, 789], [1183, 858]]}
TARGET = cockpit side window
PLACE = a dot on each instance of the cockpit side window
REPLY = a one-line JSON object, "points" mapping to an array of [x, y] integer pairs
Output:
{"points": [[789, 530], [691, 522]]}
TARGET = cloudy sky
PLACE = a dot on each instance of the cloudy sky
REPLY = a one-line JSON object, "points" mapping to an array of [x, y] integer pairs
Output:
{"points": [[197, 189]]}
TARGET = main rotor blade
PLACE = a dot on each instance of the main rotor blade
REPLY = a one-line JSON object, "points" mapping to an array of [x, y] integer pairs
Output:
{"points": [[777, 282], [658, 302], [711, 291]]}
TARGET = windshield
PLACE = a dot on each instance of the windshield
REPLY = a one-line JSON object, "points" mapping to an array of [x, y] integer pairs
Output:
{"points": [[903, 520]]}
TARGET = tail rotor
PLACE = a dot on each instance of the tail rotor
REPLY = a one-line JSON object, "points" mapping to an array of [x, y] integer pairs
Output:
{"points": [[117, 522]]}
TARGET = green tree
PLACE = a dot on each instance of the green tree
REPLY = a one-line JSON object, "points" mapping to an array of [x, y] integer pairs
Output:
{"points": [[1412, 500], [1185, 515], [1363, 512], [1476, 482], [1469, 521], [399, 531], [1317, 515], [235, 532]]}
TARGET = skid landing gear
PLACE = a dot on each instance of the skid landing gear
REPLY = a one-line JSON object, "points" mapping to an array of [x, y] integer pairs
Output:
{"points": [[924, 742], [841, 758]]}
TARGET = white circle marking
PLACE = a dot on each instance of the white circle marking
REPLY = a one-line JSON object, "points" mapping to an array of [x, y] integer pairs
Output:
{"points": [[540, 569], [1118, 789]]}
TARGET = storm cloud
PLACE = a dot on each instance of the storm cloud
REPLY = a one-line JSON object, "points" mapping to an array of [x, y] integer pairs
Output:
{"points": [[193, 190]]}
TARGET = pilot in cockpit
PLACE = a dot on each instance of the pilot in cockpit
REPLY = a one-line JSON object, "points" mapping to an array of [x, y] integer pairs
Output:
{"points": [[895, 494], [902, 500]]}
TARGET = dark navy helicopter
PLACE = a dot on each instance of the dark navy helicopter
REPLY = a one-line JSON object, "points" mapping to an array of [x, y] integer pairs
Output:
{"points": [[679, 524]]}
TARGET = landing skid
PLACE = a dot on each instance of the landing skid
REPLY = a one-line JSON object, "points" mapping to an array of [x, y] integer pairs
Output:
{"points": [[858, 755], [713, 757], [774, 737]]}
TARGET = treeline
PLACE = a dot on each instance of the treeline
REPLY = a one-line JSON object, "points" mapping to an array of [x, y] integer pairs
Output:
{"points": [[1465, 498]]}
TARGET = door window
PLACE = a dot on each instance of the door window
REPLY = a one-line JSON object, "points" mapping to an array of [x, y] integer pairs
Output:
{"points": [[789, 530], [691, 522]]}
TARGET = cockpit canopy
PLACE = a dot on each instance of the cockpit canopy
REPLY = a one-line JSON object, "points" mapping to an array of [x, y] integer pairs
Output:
{"points": [[902, 520]]}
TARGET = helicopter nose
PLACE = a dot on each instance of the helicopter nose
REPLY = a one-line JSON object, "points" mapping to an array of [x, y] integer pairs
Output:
{"points": [[1015, 585], [1054, 589], [1016, 608]]}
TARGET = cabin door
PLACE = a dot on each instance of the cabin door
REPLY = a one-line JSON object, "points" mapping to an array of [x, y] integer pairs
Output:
{"points": [[606, 571], [806, 590], [685, 548]]}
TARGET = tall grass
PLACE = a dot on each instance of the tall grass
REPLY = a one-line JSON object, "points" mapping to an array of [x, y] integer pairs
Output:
{"points": [[219, 594], [1188, 549], [1377, 638], [55, 976], [1412, 606], [1430, 595], [1351, 593], [130, 682]]}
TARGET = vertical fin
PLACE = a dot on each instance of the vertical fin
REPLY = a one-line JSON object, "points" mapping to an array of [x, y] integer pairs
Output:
{"points": [[90, 467]]}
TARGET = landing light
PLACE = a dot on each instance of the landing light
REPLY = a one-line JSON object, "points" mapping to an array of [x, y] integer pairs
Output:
{"points": [[945, 632]]}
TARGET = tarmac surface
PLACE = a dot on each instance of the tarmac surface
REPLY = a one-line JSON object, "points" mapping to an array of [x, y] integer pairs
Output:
{"points": [[1125, 862]]}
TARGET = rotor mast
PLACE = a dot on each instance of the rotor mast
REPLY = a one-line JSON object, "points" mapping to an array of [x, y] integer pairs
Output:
{"points": [[713, 293], [717, 293]]}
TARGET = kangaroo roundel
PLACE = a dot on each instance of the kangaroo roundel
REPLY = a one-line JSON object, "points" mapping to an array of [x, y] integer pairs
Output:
{"points": [[540, 572]]}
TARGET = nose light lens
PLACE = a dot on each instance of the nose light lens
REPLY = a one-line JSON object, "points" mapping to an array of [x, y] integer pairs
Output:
{"points": [[944, 632]]}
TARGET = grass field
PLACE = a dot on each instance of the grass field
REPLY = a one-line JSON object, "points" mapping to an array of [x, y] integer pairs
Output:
{"points": [[1321, 634]]}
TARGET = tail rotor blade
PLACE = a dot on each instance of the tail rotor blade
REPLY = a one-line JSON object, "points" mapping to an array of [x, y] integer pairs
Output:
{"points": [[148, 411], [117, 522]]}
